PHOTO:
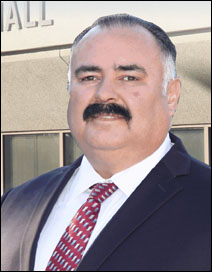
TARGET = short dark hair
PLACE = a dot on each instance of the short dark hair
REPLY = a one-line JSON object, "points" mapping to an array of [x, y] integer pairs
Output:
{"points": [[165, 44]]}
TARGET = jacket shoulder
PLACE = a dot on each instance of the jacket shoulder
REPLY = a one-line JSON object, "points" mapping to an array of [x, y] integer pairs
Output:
{"points": [[200, 171], [32, 202], [39, 184]]}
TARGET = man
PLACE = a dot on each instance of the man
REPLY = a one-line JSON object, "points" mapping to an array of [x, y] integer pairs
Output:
{"points": [[123, 95]]}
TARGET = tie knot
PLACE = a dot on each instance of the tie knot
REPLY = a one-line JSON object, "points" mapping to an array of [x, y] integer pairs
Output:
{"points": [[101, 191]]}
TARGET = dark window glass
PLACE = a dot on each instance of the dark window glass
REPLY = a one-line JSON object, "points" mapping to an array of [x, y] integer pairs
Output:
{"points": [[193, 140], [71, 150], [28, 156]]}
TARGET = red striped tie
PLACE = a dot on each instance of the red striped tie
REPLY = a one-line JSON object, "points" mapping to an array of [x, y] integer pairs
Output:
{"points": [[69, 251]]}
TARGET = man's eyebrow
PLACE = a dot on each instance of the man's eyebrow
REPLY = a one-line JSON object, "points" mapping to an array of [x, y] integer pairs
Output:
{"points": [[87, 68], [131, 67]]}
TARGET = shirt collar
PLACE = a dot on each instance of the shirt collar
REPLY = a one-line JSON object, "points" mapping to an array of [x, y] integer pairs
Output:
{"points": [[85, 178], [126, 180]]}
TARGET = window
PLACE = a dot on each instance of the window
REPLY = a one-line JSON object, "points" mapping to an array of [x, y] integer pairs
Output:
{"points": [[193, 140], [71, 150], [27, 156]]}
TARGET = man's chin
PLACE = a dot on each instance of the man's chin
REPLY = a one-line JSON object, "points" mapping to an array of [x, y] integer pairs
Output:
{"points": [[103, 144]]}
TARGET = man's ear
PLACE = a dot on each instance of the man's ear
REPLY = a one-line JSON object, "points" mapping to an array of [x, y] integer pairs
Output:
{"points": [[173, 95]]}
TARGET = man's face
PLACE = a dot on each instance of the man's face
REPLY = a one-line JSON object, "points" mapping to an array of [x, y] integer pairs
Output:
{"points": [[121, 66]]}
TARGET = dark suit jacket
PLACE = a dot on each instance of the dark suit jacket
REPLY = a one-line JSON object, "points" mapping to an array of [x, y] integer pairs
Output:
{"points": [[163, 226]]}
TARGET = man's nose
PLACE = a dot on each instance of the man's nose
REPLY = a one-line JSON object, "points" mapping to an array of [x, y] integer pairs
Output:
{"points": [[107, 92]]}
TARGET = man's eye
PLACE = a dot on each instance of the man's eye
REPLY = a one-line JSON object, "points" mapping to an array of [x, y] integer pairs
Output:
{"points": [[129, 78], [88, 78]]}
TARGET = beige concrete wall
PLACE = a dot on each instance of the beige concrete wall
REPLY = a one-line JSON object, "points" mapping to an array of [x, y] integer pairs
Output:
{"points": [[194, 70], [34, 94]]}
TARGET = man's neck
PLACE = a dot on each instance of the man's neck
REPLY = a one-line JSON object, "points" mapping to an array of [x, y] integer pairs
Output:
{"points": [[109, 162]]}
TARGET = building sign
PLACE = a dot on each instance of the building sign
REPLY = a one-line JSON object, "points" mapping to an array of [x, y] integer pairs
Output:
{"points": [[27, 25], [12, 18]]}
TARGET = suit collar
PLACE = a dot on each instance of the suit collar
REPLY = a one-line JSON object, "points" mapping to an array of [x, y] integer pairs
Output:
{"points": [[177, 159], [158, 188]]}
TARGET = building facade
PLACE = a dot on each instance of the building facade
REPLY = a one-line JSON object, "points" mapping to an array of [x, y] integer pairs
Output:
{"points": [[36, 43]]}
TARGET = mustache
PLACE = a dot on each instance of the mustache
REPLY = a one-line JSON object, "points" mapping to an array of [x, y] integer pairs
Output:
{"points": [[94, 109]]}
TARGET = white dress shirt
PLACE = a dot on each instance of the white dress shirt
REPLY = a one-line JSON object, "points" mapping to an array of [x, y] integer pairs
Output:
{"points": [[77, 191]]}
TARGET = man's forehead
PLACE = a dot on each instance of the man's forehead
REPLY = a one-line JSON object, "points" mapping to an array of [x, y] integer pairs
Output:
{"points": [[138, 32], [81, 56]]}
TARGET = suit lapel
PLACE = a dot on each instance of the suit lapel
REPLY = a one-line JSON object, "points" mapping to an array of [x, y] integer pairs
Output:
{"points": [[40, 212], [150, 196], [158, 188]]}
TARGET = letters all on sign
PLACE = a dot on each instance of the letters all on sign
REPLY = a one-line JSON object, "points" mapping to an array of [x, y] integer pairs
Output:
{"points": [[12, 17]]}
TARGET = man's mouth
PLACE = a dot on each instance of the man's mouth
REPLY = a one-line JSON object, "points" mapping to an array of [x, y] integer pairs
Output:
{"points": [[107, 116]]}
